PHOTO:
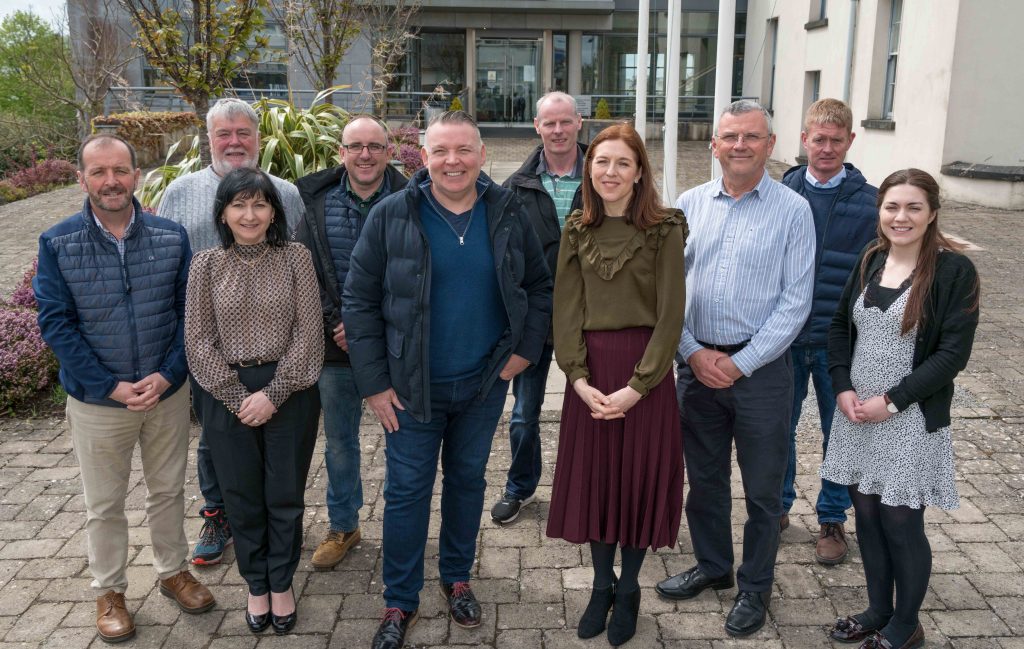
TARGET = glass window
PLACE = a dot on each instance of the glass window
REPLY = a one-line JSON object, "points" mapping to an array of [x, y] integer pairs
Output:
{"points": [[442, 62], [895, 18], [559, 60]]}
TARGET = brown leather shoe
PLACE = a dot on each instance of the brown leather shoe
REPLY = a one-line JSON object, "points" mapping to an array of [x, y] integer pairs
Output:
{"points": [[113, 621], [189, 594], [877, 641], [784, 522], [333, 549], [832, 547]]}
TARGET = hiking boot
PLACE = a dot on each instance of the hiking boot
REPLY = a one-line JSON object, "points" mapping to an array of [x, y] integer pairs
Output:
{"points": [[832, 547], [507, 509], [333, 549], [213, 538]]}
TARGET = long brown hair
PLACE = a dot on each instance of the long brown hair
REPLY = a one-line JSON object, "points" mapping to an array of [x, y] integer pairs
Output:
{"points": [[931, 244], [645, 208]]}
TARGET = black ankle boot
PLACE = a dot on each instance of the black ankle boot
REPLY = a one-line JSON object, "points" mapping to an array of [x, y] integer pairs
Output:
{"points": [[623, 622], [593, 621]]}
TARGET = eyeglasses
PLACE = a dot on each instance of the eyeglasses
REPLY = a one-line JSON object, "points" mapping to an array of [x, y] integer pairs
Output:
{"points": [[373, 147], [735, 138]]}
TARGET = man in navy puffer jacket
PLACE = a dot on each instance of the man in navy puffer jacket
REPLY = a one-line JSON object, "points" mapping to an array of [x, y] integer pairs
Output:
{"points": [[111, 292], [845, 218]]}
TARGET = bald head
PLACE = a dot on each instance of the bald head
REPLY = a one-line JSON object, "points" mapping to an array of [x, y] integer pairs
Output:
{"points": [[364, 152]]}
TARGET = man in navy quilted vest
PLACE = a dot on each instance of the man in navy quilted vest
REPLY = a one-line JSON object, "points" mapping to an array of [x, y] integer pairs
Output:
{"points": [[111, 293], [337, 201], [845, 214]]}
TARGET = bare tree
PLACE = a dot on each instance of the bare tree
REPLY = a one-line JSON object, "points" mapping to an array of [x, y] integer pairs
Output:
{"points": [[389, 29], [99, 49], [199, 45], [320, 33]]}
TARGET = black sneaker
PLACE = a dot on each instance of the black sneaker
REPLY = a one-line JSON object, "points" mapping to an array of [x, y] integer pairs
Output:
{"points": [[507, 509], [462, 605], [393, 626]]}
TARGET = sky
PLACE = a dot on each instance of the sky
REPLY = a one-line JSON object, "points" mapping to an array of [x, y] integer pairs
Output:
{"points": [[45, 9]]}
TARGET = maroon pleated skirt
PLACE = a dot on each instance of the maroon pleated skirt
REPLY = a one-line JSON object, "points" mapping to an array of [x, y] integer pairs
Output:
{"points": [[619, 481]]}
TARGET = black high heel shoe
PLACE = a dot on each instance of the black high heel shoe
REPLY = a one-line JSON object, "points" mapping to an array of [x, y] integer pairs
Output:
{"points": [[285, 623], [257, 623], [593, 621]]}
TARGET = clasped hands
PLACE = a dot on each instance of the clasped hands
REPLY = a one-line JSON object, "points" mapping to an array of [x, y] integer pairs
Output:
{"points": [[870, 410], [143, 395], [602, 406], [713, 368]]}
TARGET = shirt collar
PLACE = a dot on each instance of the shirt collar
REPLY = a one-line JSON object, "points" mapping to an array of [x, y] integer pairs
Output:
{"points": [[759, 190], [577, 170], [834, 181], [373, 197], [107, 232]]}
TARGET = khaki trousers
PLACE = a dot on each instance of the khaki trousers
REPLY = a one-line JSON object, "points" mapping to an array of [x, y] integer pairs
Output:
{"points": [[104, 439]]}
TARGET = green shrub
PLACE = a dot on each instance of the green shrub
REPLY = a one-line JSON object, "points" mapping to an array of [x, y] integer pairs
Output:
{"points": [[602, 111], [456, 104], [27, 366]]}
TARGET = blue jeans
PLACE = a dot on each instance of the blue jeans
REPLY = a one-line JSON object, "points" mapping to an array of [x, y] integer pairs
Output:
{"points": [[524, 428], [461, 429], [343, 409], [812, 363]]}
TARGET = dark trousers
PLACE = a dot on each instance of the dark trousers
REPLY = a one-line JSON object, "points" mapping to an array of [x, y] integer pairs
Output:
{"points": [[524, 427], [461, 431], [208, 484], [755, 413], [262, 473]]}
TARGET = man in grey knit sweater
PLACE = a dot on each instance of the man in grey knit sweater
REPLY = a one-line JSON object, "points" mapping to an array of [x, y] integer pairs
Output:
{"points": [[233, 128]]}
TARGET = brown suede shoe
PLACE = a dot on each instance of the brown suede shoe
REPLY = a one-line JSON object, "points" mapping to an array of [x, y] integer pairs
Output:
{"points": [[832, 547], [189, 594], [334, 548], [784, 522], [113, 621]]}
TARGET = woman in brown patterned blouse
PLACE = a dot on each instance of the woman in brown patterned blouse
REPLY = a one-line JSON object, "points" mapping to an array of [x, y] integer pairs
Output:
{"points": [[255, 348]]}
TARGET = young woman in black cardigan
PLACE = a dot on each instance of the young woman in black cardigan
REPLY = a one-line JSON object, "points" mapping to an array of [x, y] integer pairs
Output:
{"points": [[903, 330]]}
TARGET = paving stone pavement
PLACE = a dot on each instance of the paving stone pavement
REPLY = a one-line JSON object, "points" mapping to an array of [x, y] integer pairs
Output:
{"points": [[533, 589]]}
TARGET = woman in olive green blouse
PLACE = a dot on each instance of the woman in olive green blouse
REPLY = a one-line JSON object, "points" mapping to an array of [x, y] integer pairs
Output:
{"points": [[619, 301]]}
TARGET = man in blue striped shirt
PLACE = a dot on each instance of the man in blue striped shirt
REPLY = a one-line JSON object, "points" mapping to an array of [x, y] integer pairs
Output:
{"points": [[749, 275]]}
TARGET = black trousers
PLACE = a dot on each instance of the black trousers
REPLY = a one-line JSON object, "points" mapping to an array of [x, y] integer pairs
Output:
{"points": [[755, 413], [262, 472]]}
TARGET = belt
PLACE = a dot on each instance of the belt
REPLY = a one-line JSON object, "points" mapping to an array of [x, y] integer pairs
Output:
{"points": [[728, 349], [253, 363]]}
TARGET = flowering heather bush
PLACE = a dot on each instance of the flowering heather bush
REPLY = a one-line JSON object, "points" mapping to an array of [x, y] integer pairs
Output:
{"points": [[23, 294], [409, 156], [47, 173], [26, 364], [406, 135], [40, 177]]}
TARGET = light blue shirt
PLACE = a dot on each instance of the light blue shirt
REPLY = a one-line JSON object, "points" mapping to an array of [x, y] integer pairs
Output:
{"points": [[834, 181], [749, 270]]}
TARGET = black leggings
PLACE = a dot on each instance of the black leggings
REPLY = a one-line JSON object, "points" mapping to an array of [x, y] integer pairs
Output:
{"points": [[603, 556], [896, 554]]}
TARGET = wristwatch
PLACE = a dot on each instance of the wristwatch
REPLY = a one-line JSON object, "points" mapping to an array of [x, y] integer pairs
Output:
{"points": [[889, 405]]}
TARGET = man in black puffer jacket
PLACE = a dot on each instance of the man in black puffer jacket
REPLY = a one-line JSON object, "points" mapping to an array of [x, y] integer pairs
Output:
{"points": [[548, 184], [845, 220], [337, 202], [447, 299]]}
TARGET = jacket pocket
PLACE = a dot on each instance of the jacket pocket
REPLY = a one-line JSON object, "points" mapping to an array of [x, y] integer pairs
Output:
{"points": [[395, 341]]}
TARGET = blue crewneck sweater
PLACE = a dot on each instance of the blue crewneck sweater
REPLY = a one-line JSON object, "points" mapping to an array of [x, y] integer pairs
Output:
{"points": [[821, 202], [467, 316]]}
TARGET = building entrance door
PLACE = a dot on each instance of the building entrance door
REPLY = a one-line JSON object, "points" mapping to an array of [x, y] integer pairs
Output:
{"points": [[507, 79]]}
